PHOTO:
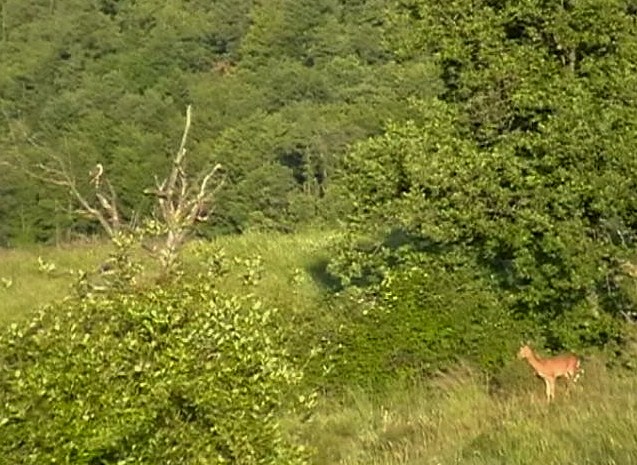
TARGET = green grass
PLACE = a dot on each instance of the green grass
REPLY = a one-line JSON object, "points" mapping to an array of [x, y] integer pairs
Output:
{"points": [[289, 262], [458, 418], [26, 283]]}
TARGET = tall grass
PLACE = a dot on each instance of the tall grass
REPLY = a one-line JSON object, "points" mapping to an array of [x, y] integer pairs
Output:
{"points": [[31, 277], [458, 419], [35, 276]]}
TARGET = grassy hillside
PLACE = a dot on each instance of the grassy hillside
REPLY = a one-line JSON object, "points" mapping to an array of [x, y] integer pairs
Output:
{"points": [[39, 275], [460, 417], [455, 419]]}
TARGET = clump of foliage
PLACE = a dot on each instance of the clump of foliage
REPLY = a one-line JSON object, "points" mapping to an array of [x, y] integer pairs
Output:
{"points": [[418, 320], [174, 373], [522, 166]]}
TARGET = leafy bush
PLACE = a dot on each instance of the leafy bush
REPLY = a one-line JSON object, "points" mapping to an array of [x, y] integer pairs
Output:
{"points": [[179, 373], [420, 320]]}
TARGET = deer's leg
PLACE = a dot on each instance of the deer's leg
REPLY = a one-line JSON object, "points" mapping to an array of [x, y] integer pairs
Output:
{"points": [[552, 384], [571, 379], [547, 384]]}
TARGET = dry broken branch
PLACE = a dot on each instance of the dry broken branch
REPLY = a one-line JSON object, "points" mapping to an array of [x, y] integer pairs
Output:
{"points": [[60, 174], [180, 202]]}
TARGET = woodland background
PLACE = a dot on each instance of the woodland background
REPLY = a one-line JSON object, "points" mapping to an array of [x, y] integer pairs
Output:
{"points": [[280, 89], [412, 189]]}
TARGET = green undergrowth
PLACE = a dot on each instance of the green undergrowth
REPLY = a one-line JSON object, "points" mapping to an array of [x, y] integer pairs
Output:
{"points": [[420, 322], [459, 418], [32, 277], [360, 352], [172, 373]]}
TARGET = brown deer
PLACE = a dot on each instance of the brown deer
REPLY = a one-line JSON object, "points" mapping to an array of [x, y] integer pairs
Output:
{"points": [[551, 368]]}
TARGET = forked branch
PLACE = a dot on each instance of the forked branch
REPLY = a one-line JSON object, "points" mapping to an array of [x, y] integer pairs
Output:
{"points": [[105, 210], [181, 203]]}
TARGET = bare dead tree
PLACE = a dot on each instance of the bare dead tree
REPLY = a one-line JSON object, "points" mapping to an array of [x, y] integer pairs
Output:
{"points": [[58, 171], [182, 203], [105, 209]]}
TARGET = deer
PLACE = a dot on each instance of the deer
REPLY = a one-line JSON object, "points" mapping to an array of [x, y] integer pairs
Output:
{"points": [[551, 368]]}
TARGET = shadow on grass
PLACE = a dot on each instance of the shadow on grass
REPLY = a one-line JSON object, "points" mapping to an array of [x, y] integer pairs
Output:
{"points": [[321, 275]]}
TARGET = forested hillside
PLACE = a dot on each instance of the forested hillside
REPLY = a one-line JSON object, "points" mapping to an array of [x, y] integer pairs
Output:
{"points": [[498, 136], [413, 190], [279, 89]]}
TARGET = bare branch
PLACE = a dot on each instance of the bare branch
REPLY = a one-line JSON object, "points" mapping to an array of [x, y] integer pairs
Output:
{"points": [[169, 185], [629, 317], [59, 173], [179, 203], [96, 175]]}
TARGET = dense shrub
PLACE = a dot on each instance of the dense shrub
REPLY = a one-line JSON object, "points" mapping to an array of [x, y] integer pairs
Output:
{"points": [[421, 320], [174, 374]]}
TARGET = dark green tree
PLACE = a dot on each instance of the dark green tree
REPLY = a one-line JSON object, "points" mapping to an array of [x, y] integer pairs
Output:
{"points": [[523, 162]]}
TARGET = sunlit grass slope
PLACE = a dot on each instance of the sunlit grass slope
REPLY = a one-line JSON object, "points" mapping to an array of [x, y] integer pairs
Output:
{"points": [[457, 419], [39, 275], [290, 264]]}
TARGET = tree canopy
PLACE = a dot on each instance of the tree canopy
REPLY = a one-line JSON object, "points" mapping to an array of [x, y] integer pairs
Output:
{"points": [[523, 163], [279, 89]]}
